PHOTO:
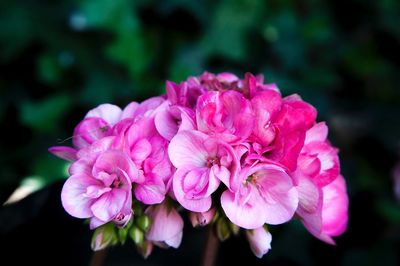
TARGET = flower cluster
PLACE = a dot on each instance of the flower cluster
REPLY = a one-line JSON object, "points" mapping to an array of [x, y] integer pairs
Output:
{"points": [[233, 153]]}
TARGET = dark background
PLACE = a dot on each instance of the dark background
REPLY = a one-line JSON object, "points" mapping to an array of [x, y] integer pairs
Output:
{"points": [[58, 59]]}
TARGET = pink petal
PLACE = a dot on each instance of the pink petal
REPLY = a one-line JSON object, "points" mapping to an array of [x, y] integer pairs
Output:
{"points": [[260, 241], [180, 180], [318, 132], [186, 149], [335, 207], [73, 195], [244, 215], [151, 192], [140, 151], [66, 153], [81, 166], [167, 224], [109, 204], [276, 188], [89, 130], [116, 162], [108, 112], [129, 110]]}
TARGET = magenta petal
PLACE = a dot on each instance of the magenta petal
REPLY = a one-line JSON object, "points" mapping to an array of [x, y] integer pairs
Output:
{"points": [[94, 223], [335, 207], [109, 204], [73, 196], [63, 152], [244, 215], [108, 112], [187, 149]]}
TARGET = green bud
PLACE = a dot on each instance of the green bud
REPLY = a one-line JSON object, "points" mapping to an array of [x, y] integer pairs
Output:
{"points": [[123, 234], [137, 235], [234, 228], [143, 222], [145, 249], [223, 230], [104, 236]]}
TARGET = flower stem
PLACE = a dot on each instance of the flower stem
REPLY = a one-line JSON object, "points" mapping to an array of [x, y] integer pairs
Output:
{"points": [[210, 248], [98, 258]]}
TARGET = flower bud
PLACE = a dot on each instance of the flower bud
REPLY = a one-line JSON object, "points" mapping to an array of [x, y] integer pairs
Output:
{"points": [[103, 237], [145, 249], [137, 235], [143, 222], [223, 231], [260, 241], [202, 218]]}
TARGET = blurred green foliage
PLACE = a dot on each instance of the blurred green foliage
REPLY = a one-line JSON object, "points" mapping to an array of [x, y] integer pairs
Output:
{"points": [[58, 59]]}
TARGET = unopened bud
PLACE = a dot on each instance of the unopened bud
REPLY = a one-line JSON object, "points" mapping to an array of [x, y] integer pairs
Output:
{"points": [[223, 230], [202, 218], [145, 249], [103, 237], [137, 235], [143, 222], [234, 228]]}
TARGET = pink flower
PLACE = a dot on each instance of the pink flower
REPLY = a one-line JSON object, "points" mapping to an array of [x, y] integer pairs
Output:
{"points": [[260, 241], [226, 115], [102, 190], [166, 225], [201, 162], [263, 193]]}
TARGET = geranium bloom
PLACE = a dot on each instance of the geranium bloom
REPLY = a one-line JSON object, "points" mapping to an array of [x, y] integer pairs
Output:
{"points": [[232, 152]]}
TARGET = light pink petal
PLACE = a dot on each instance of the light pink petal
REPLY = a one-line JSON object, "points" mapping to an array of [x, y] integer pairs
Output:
{"points": [[108, 112], [166, 224], [276, 188], [202, 218], [175, 241], [151, 191], [109, 204], [221, 173], [248, 216], [166, 124], [73, 196], [94, 223], [148, 107], [186, 149], [63, 152], [183, 180], [335, 207], [318, 132], [81, 166], [259, 240], [129, 110]]}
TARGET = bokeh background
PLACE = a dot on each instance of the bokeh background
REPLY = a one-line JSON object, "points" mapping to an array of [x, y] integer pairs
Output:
{"points": [[58, 59]]}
